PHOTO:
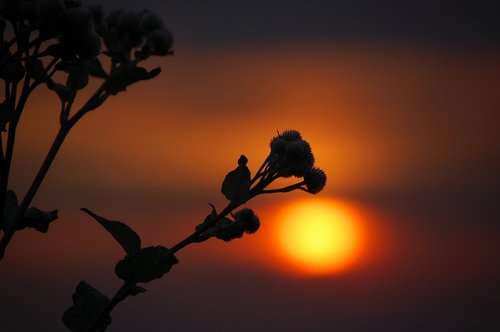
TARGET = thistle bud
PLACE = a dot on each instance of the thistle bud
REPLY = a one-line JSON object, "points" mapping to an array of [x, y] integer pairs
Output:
{"points": [[248, 220], [160, 42], [315, 180], [150, 22], [291, 135]]}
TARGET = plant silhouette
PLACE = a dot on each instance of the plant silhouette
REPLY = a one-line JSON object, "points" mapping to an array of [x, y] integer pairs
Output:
{"points": [[62, 45]]}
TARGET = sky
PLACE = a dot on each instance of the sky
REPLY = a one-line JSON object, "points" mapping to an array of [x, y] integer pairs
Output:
{"points": [[399, 101]]}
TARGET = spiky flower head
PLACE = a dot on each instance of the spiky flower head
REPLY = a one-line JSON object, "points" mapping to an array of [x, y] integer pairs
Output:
{"points": [[150, 22], [291, 135], [160, 42], [315, 180], [278, 145]]}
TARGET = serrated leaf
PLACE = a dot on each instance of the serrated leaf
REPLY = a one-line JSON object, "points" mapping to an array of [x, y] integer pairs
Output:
{"points": [[78, 77], [148, 264], [126, 237], [88, 303], [236, 184]]}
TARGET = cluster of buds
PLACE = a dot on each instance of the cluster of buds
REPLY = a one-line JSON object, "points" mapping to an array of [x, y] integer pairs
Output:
{"points": [[291, 155], [126, 30], [80, 28]]}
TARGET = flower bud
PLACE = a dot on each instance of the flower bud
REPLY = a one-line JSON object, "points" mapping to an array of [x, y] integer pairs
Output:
{"points": [[315, 180], [248, 220], [87, 45], [150, 22], [160, 41], [278, 145], [291, 135]]}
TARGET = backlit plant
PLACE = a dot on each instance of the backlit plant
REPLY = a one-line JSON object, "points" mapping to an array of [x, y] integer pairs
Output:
{"points": [[62, 45]]}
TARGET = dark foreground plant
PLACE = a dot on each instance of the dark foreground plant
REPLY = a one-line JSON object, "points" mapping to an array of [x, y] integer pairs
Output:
{"points": [[58, 43]]}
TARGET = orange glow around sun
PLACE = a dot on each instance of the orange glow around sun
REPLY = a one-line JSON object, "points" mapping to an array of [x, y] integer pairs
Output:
{"points": [[319, 236]]}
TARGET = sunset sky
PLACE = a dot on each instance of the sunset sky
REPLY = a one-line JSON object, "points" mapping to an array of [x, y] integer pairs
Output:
{"points": [[399, 101]]}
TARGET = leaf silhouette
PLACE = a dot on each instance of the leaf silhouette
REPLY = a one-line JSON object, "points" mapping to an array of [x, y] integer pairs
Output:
{"points": [[236, 184], [88, 303], [126, 237], [148, 264]]}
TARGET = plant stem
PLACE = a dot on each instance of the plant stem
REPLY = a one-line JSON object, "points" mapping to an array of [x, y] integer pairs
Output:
{"points": [[96, 99], [192, 238], [120, 295]]}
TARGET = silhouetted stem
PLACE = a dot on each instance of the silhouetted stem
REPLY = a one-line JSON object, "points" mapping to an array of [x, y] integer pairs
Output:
{"points": [[120, 295], [193, 237], [97, 98]]}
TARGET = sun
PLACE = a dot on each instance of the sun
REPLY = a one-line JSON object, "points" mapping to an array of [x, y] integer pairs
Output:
{"points": [[319, 236]]}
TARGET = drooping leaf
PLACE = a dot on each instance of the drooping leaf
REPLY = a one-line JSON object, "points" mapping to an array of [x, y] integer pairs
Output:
{"points": [[78, 77], [236, 185], [148, 264], [128, 75], [38, 219], [126, 237], [88, 303]]}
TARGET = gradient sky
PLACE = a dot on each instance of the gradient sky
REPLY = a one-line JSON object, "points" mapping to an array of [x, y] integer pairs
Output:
{"points": [[399, 101]]}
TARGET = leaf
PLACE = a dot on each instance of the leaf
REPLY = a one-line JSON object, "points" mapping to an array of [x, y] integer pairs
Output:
{"points": [[128, 75], [88, 303], [63, 92], [148, 264], [78, 77], [126, 237], [38, 219], [236, 185], [95, 68], [222, 229]]}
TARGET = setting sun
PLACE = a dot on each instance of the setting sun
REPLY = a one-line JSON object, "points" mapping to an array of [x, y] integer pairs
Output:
{"points": [[319, 236]]}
